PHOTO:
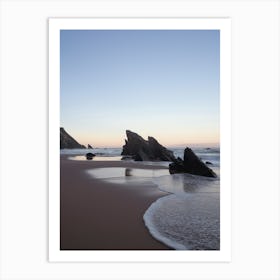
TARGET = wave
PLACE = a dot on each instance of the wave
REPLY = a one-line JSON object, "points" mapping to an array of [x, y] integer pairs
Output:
{"points": [[189, 218]]}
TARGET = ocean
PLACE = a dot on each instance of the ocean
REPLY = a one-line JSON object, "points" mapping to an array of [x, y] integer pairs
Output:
{"points": [[188, 217], [211, 154]]}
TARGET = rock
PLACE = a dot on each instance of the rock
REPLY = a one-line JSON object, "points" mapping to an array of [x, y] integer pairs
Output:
{"points": [[191, 164], [209, 163], [159, 151], [89, 146], [177, 166], [134, 144], [68, 142], [143, 150], [90, 156]]}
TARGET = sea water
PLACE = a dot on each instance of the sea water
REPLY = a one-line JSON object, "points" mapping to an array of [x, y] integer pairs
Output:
{"points": [[205, 154], [188, 217], [106, 152], [189, 222]]}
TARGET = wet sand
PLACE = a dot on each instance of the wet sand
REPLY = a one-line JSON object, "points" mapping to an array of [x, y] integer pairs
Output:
{"points": [[98, 215]]}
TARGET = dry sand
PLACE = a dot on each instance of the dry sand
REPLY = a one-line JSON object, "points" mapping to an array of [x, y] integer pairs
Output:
{"points": [[97, 215]]}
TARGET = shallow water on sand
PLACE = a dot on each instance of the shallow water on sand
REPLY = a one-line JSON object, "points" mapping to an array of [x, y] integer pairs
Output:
{"points": [[97, 158], [187, 183], [122, 175]]}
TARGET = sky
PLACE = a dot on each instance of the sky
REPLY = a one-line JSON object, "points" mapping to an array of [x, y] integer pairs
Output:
{"points": [[160, 83]]}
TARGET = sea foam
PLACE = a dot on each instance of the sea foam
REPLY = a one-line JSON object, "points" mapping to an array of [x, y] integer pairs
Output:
{"points": [[188, 219], [186, 223]]}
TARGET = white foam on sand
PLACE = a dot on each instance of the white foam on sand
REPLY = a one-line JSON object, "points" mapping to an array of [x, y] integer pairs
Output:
{"points": [[188, 219]]}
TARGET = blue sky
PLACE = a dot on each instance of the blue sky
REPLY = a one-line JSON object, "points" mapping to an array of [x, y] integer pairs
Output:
{"points": [[161, 83]]}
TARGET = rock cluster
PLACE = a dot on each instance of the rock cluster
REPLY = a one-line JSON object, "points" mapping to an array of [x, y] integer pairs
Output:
{"points": [[191, 164], [68, 142], [143, 150]]}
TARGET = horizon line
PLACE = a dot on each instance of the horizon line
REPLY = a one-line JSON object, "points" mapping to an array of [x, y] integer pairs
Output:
{"points": [[168, 146]]}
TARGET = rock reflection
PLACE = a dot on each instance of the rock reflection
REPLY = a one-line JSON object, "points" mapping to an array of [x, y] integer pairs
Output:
{"points": [[128, 172], [187, 183]]}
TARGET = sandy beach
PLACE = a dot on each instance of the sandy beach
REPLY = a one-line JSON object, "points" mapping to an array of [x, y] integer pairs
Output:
{"points": [[99, 215]]}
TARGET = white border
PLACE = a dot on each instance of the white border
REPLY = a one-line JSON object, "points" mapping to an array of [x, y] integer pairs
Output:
{"points": [[222, 24]]}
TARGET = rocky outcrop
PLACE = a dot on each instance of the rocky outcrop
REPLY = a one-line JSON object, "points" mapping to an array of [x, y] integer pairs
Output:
{"points": [[143, 150], [191, 164], [158, 151], [89, 146], [90, 156], [68, 142]]}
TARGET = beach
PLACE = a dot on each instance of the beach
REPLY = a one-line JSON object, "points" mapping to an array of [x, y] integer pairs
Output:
{"points": [[111, 204], [99, 215]]}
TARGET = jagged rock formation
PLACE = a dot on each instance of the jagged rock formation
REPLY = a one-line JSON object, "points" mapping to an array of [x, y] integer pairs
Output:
{"points": [[89, 146], [191, 164], [68, 142], [143, 150]]}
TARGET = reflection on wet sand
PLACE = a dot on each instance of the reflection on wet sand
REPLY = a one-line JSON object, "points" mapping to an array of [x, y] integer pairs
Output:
{"points": [[128, 172]]}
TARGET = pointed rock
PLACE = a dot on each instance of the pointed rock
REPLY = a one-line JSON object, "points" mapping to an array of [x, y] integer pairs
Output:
{"points": [[89, 146], [158, 151], [134, 145], [191, 164], [143, 150], [68, 142]]}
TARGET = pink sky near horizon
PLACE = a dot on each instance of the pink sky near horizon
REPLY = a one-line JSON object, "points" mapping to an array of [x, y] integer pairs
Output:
{"points": [[118, 140]]}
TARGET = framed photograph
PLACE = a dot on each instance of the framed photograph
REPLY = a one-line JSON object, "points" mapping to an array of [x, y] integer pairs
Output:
{"points": [[42, 88], [139, 139]]}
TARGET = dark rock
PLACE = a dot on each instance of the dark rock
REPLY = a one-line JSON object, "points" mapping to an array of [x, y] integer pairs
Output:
{"points": [[90, 156], [134, 144], [160, 152], [209, 162], [177, 166], [191, 164], [68, 142], [143, 150], [89, 146]]}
